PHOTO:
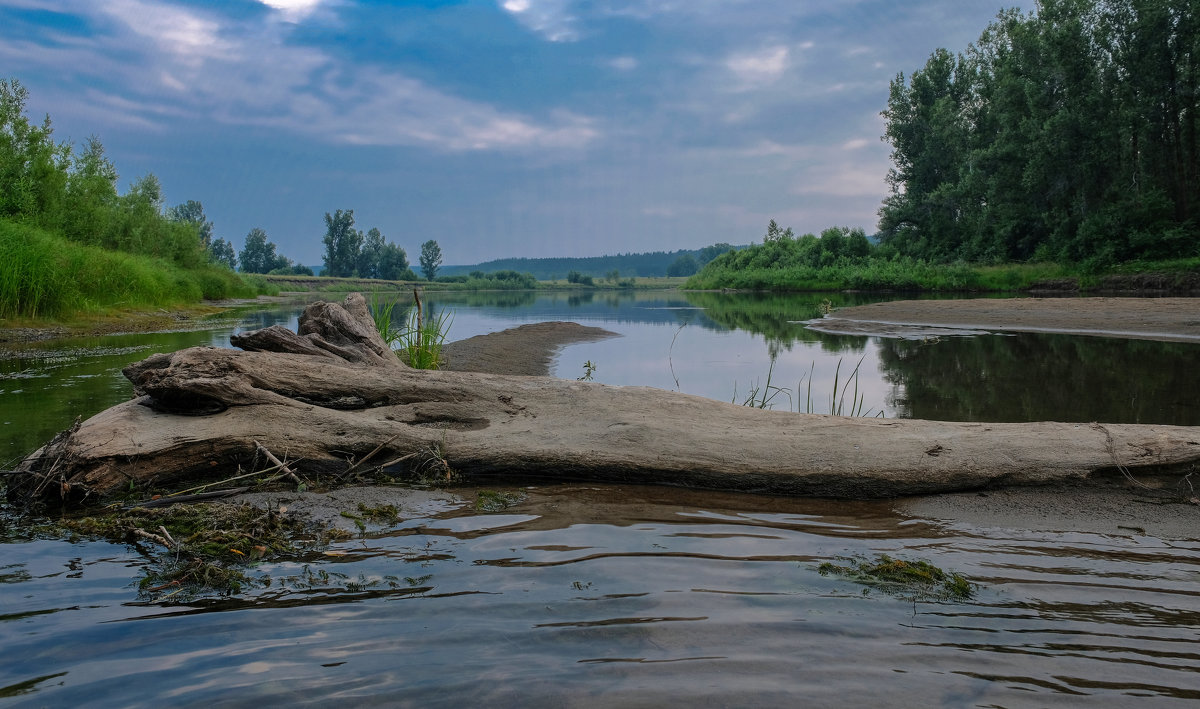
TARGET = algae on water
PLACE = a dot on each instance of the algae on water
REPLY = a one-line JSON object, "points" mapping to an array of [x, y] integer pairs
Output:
{"points": [[918, 579]]}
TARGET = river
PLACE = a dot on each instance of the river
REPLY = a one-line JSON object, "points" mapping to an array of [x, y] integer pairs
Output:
{"points": [[609, 595]]}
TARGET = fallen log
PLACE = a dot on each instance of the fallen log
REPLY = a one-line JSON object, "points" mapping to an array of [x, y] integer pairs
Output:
{"points": [[331, 398]]}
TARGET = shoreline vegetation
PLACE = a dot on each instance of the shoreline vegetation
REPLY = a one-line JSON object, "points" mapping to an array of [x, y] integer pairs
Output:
{"points": [[72, 245], [1004, 180]]}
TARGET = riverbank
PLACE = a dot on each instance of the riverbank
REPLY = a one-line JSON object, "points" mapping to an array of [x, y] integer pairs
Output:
{"points": [[14, 332], [1167, 319]]}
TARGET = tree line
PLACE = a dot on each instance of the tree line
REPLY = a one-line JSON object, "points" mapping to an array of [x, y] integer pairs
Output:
{"points": [[350, 253], [683, 262], [1068, 134]]}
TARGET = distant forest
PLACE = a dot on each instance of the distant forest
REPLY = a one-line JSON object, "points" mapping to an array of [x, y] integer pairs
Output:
{"points": [[684, 262], [1067, 135]]}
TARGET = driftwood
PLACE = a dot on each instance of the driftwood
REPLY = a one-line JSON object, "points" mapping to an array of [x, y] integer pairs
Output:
{"points": [[332, 398]]}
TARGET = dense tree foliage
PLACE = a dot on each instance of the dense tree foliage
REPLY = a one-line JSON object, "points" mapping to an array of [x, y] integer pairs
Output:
{"points": [[258, 254], [393, 264], [74, 193], [62, 221], [1069, 134], [342, 244], [431, 259], [192, 212], [649, 265], [221, 251], [348, 252], [685, 265]]}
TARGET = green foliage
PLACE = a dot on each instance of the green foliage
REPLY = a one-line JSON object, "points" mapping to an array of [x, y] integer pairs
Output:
{"points": [[1059, 135], [342, 244], [258, 254], [496, 501], [203, 548], [221, 251], [685, 265], [431, 259], [581, 279], [370, 254], [393, 264], [844, 259], [192, 212], [916, 579], [72, 243], [45, 275], [644, 265], [291, 270], [422, 340], [499, 280]]}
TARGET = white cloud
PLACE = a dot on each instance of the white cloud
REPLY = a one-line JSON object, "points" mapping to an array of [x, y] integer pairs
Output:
{"points": [[855, 144], [760, 67], [840, 180], [188, 63], [188, 36], [553, 19], [293, 10], [623, 63]]}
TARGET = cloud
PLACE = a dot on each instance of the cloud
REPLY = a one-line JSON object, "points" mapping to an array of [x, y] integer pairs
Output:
{"points": [[293, 10], [760, 67], [192, 63], [552, 19], [623, 63]]}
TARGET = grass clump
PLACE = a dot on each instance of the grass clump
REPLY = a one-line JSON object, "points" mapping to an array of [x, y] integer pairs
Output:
{"points": [[764, 396], [917, 579], [203, 548], [493, 501], [421, 340]]}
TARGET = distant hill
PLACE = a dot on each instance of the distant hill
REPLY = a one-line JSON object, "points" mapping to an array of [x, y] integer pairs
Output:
{"points": [[646, 265]]}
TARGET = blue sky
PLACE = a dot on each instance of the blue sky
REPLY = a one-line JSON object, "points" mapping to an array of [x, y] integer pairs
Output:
{"points": [[497, 127]]}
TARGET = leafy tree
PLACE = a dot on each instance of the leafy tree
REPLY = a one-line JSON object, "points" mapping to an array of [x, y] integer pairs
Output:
{"points": [[708, 253], [91, 196], [33, 169], [259, 255], [393, 264], [221, 251], [1068, 134], [369, 255], [431, 259], [342, 243], [774, 233], [192, 212], [685, 265]]}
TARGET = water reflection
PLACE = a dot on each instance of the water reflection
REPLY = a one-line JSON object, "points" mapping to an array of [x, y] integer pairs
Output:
{"points": [[584, 595], [1038, 377]]}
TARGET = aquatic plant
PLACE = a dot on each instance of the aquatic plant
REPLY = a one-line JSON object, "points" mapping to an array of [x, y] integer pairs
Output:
{"points": [[917, 579], [383, 313], [420, 342], [494, 501], [764, 396], [589, 368], [203, 548]]}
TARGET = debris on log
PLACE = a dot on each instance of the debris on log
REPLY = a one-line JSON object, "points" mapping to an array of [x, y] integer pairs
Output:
{"points": [[331, 398]]}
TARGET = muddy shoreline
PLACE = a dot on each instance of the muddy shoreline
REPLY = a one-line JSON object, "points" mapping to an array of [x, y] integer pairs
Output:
{"points": [[1164, 319]]}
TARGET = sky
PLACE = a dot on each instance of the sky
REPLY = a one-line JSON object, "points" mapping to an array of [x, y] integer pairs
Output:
{"points": [[498, 128]]}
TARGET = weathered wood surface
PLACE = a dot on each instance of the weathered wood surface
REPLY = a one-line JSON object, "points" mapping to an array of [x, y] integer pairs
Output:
{"points": [[326, 398]]}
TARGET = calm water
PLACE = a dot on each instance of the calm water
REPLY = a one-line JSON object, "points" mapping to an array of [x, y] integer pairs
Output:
{"points": [[586, 595]]}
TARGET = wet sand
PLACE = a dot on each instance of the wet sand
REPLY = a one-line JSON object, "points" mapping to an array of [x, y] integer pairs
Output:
{"points": [[525, 350], [1169, 319], [1111, 505]]}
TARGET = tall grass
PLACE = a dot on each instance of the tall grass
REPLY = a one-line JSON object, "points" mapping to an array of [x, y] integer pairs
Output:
{"points": [[764, 396], [421, 340], [43, 275]]}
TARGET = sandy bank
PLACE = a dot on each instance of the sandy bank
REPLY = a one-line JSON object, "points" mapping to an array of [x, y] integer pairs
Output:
{"points": [[1169, 319]]}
